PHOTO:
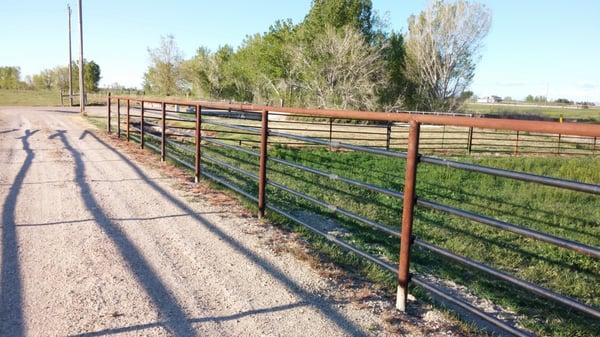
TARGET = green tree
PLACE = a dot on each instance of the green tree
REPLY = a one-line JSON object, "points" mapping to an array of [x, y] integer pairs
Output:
{"points": [[264, 61], [44, 80], [91, 76], [10, 78], [57, 78], [338, 14], [398, 91], [164, 74], [289, 64]]}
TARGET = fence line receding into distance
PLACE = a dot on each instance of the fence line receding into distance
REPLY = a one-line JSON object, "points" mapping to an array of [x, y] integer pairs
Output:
{"points": [[253, 130]]}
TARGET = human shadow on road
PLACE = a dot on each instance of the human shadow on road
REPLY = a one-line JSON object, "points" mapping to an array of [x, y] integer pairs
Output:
{"points": [[176, 320], [11, 298], [325, 307]]}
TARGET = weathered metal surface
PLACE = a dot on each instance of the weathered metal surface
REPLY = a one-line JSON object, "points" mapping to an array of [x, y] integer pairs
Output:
{"points": [[262, 169], [410, 177], [575, 129]]}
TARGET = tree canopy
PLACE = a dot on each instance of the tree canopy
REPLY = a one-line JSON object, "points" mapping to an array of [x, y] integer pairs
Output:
{"points": [[442, 47], [10, 78], [339, 56], [56, 78]]}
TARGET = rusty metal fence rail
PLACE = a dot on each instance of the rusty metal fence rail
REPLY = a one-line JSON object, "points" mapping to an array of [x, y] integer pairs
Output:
{"points": [[434, 139], [187, 125]]}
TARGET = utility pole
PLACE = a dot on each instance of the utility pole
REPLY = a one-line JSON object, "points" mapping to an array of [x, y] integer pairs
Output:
{"points": [[70, 61], [81, 86]]}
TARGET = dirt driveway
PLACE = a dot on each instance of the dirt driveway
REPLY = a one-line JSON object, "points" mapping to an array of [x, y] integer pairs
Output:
{"points": [[94, 244]]}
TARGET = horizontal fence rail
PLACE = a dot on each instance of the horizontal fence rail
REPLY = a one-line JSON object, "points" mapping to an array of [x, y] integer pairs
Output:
{"points": [[173, 127], [481, 138]]}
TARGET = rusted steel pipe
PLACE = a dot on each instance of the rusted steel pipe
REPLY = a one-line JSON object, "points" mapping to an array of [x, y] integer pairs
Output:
{"points": [[262, 168], [142, 125], [108, 111], [128, 118], [574, 129], [407, 214], [197, 164], [163, 133], [119, 118]]}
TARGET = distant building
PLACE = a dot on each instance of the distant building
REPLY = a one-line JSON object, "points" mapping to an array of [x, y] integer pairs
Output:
{"points": [[489, 99]]}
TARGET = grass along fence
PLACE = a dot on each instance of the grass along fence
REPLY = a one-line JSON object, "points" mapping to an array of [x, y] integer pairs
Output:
{"points": [[502, 233]]}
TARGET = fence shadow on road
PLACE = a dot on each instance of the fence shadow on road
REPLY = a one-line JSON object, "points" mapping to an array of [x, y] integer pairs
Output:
{"points": [[194, 320], [74, 112], [8, 131], [178, 321], [63, 222], [11, 297], [175, 318]]}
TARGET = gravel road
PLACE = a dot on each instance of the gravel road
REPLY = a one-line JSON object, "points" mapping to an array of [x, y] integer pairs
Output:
{"points": [[95, 244]]}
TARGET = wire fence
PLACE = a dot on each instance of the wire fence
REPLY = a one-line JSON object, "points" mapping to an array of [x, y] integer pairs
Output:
{"points": [[181, 130]]}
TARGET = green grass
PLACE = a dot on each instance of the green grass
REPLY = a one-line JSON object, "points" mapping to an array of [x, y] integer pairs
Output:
{"points": [[566, 214], [584, 115], [29, 97], [9, 97]]}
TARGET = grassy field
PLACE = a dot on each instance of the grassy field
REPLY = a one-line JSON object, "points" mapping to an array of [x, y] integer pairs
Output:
{"points": [[29, 97], [584, 115], [39, 98]]}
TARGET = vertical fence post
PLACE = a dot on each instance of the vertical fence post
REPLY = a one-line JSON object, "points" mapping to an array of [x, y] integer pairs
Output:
{"points": [[262, 168], [128, 119], [558, 145], [61, 98], [108, 106], [517, 144], [197, 171], [407, 214], [163, 135], [142, 126], [594, 148], [470, 140], [119, 118], [443, 135], [330, 131], [388, 136]]}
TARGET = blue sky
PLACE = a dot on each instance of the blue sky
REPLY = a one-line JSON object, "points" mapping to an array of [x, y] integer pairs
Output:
{"points": [[534, 47]]}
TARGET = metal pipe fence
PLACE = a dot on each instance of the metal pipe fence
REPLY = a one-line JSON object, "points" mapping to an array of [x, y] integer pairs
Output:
{"points": [[262, 127], [449, 140]]}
